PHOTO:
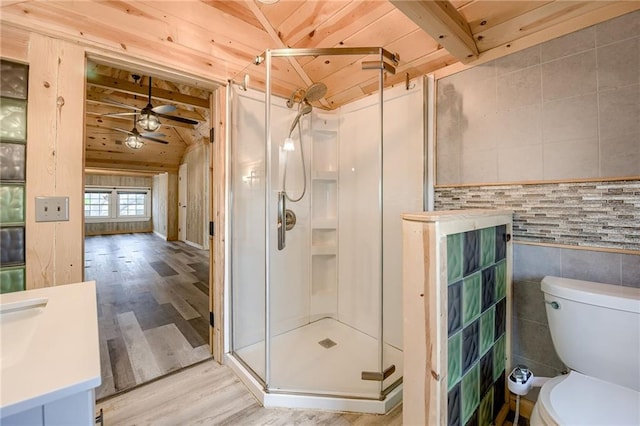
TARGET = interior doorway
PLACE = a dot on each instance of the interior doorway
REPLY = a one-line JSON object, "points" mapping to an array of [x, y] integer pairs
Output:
{"points": [[154, 298]]}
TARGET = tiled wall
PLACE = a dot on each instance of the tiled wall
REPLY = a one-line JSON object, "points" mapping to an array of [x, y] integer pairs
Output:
{"points": [[476, 324], [532, 344], [13, 138], [594, 214], [564, 109]]}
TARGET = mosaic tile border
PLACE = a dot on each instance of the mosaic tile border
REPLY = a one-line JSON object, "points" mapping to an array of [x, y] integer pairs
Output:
{"points": [[602, 214]]}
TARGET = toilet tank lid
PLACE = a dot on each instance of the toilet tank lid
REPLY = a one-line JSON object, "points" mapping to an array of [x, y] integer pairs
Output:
{"points": [[592, 293]]}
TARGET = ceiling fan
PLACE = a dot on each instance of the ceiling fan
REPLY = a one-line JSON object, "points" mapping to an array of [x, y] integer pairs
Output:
{"points": [[149, 120], [135, 138]]}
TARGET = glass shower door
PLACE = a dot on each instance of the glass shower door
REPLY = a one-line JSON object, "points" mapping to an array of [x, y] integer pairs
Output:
{"points": [[248, 230]]}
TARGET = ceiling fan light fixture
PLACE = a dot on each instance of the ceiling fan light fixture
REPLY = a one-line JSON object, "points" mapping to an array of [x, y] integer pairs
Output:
{"points": [[133, 142], [149, 121]]}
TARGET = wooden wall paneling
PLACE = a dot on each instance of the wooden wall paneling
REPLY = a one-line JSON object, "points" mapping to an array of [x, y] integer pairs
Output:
{"points": [[219, 198], [14, 43], [41, 158], [118, 180], [150, 24], [198, 164], [110, 228], [172, 206], [79, 28], [156, 220]]}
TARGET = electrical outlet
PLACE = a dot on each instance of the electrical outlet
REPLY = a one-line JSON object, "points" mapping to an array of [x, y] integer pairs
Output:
{"points": [[52, 209]]}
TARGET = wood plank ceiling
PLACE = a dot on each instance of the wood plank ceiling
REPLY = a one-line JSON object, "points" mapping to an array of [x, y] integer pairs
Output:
{"points": [[104, 148], [219, 40]]}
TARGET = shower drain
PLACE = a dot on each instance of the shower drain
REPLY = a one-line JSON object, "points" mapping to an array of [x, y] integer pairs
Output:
{"points": [[327, 343]]}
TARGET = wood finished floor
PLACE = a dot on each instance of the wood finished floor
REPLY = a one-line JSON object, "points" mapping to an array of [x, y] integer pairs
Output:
{"points": [[153, 307], [211, 394]]}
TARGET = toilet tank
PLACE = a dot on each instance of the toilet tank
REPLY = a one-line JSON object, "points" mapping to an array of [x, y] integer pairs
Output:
{"points": [[595, 328]]}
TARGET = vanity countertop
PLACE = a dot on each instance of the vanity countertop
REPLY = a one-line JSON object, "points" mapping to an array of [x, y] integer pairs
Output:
{"points": [[49, 344]]}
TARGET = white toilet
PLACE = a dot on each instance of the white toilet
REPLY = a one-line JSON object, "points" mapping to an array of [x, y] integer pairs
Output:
{"points": [[595, 329]]}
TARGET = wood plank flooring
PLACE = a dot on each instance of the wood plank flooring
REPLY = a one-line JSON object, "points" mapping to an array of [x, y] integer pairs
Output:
{"points": [[211, 394], [153, 307]]}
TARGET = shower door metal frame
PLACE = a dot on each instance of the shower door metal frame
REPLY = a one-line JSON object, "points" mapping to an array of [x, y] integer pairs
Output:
{"points": [[292, 52]]}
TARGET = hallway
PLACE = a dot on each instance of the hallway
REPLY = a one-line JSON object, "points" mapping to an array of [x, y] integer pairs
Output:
{"points": [[153, 307]]}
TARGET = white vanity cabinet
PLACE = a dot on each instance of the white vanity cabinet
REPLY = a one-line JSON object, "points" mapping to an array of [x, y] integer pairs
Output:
{"points": [[50, 356]]}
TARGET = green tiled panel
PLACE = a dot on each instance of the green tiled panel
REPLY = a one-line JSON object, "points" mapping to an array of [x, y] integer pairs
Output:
{"points": [[487, 326], [454, 362], [13, 119], [11, 203], [11, 280], [498, 357], [470, 392], [487, 246], [501, 279], [454, 257], [471, 294], [486, 359], [485, 417]]}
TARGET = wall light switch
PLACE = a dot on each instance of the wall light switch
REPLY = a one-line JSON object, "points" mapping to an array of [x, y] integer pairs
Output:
{"points": [[52, 209]]}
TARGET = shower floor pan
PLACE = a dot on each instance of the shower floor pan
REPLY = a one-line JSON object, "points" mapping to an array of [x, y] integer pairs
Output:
{"points": [[325, 357]]}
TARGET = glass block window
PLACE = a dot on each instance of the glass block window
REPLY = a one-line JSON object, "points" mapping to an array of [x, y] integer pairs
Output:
{"points": [[13, 139], [476, 325], [116, 204]]}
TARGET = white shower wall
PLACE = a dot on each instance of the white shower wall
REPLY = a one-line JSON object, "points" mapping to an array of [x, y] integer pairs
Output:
{"points": [[359, 229], [355, 300], [248, 246]]}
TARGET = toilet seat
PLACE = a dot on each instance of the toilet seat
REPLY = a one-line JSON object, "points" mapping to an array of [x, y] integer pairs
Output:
{"points": [[576, 399]]}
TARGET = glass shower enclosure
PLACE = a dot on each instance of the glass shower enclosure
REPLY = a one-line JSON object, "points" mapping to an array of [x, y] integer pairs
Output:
{"points": [[315, 297]]}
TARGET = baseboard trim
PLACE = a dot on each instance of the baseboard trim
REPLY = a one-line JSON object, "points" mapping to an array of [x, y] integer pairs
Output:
{"points": [[164, 237], [192, 244]]}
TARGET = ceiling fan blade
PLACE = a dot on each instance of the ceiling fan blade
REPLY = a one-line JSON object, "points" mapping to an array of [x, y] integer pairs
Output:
{"points": [[129, 132], [154, 139], [180, 119], [163, 109], [123, 105], [153, 134], [109, 114]]}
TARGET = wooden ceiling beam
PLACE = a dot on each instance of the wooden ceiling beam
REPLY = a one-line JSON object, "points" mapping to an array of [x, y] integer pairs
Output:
{"points": [[131, 88], [444, 23]]}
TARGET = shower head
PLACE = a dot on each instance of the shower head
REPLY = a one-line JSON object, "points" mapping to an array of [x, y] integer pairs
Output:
{"points": [[304, 110], [316, 92], [313, 93]]}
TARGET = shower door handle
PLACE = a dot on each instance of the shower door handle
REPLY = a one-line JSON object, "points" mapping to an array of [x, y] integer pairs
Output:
{"points": [[281, 225]]}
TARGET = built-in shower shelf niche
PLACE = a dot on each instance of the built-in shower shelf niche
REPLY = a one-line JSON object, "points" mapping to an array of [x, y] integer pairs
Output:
{"points": [[324, 198], [325, 151]]}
